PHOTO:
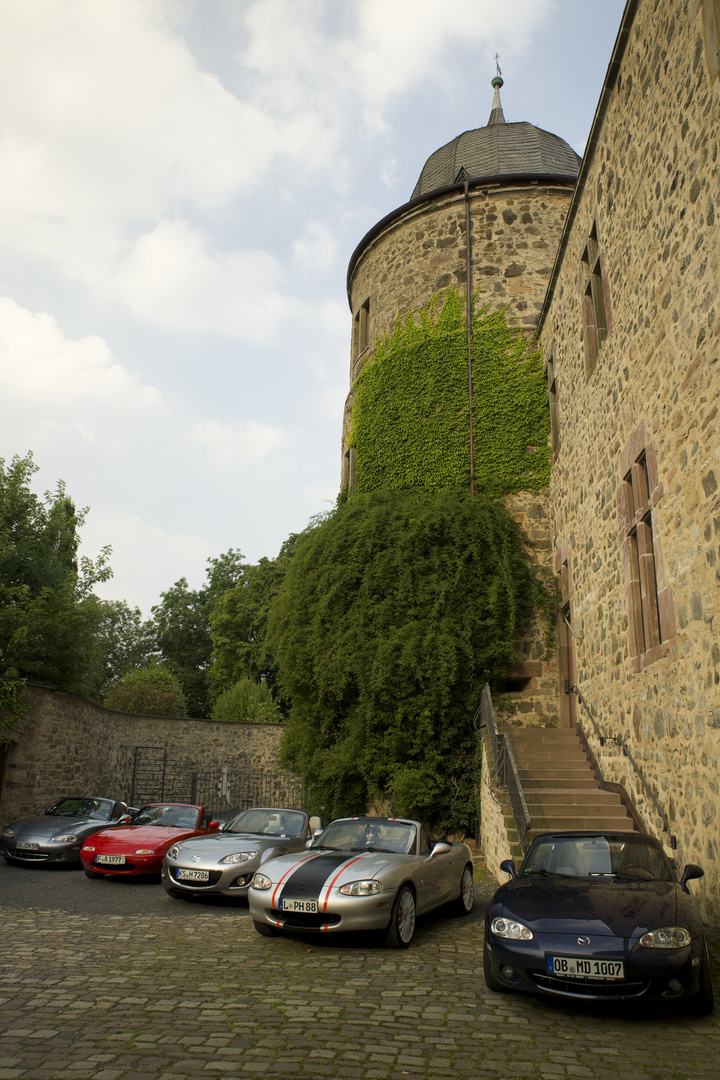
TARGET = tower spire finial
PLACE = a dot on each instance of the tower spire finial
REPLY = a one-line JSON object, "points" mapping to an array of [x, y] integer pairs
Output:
{"points": [[496, 113]]}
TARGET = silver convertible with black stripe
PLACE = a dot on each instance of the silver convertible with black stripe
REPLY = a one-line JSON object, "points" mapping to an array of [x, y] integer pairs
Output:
{"points": [[375, 874]]}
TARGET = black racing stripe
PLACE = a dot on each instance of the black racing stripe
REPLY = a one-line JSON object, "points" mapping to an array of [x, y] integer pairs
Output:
{"points": [[308, 880]]}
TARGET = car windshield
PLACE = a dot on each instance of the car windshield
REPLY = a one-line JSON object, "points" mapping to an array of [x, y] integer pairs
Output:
{"points": [[287, 823], [168, 814], [362, 834], [620, 857], [97, 809]]}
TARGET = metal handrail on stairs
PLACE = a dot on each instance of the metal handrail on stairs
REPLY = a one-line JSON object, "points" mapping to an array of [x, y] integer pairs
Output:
{"points": [[504, 768], [619, 741]]}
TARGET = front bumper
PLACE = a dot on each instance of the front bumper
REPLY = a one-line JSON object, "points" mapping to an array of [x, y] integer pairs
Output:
{"points": [[42, 851], [230, 880], [649, 973], [338, 914]]}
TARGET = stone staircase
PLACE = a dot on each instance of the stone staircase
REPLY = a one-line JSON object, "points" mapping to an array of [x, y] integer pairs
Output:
{"points": [[560, 786]]}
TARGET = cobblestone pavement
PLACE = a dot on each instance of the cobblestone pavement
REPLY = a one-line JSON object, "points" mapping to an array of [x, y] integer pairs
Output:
{"points": [[200, 996]]}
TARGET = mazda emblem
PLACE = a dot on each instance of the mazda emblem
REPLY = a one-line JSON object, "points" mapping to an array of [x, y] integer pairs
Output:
{"points": [[583, 941], [195, 858]]}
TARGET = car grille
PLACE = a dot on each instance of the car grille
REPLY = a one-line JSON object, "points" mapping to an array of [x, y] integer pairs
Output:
{"points": [[302, 921], [31, 856], [213, 879], [589, 987]]}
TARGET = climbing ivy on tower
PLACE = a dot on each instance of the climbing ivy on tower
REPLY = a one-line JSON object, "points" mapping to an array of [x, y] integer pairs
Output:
{"points": [[410, 415]]}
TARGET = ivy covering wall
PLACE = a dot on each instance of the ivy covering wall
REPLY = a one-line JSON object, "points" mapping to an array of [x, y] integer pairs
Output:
{"points": [[410, 422]]}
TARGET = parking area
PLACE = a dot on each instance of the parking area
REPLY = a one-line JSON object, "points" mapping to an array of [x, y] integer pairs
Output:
{"points": [[183, 991]]}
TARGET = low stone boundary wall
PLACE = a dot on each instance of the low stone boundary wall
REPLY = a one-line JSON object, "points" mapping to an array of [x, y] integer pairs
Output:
{"points": [[69, 745]]}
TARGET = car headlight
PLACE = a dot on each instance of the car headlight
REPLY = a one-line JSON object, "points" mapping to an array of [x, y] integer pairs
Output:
{"points": [[508, 928], [9, 833], [174, 852], [361, 888], [669, 937], [144, 851], [261, 881], [239, 856], [64, 838]]}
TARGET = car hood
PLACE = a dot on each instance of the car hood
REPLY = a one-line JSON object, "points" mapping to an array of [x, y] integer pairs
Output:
{"points": [[320, 868], [126, 838], [223, 843], [582, 906], [47, 826]]}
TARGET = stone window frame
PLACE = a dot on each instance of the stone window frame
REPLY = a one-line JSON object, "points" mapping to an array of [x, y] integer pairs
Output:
{"points": [[552, 397], [651, 612], [711, 37], [361, 331], [596, 317]]}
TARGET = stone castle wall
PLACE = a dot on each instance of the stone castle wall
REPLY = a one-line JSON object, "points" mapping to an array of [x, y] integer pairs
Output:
{"points": [[69, 745], [514, 236], [652, 190]]}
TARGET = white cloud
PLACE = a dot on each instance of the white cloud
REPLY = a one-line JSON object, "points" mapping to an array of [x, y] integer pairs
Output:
{"points": [[230, 445], [48, 378], [315, 251]]}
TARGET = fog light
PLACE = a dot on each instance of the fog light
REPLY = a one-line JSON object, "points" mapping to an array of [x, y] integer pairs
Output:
{"points": [[507, 972], [676, 986]]}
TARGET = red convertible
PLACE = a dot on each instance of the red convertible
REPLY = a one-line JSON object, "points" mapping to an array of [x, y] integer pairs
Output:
{"points": [[139, 845]]}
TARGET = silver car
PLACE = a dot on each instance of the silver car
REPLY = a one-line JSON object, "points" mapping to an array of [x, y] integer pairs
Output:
{"points": [[362, 874], [225, 862], [58, 834]]}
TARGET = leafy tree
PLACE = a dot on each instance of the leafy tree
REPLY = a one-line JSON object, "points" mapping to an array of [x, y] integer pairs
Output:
{"points": [[238, 624], [49, 614], [181, 627], [392, 614], [151, 691], [247, 702], [123, 642]]}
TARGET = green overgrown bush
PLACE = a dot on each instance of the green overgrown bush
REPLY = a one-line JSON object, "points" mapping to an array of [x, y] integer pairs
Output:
{"points": [[247, 702], [151, 691]]}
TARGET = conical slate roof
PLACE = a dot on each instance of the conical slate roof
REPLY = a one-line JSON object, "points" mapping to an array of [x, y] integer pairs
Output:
{"points": [[499, 151]]}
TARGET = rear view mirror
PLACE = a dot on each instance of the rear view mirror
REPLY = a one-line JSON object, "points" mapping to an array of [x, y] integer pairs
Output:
{"points": [[508, 866]]}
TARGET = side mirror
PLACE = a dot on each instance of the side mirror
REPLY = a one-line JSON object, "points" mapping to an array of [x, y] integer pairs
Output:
{"points": [[213, 825], [441, 848], [508, 866], [691, 871]]}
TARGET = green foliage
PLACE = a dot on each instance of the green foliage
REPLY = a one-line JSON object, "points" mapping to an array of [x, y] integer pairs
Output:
{"points": [[151, 691], [123, 642], [48, 612], [181, 627], [410, 418], [247, 702], [392, 614], [14, 708], [238, 623]]}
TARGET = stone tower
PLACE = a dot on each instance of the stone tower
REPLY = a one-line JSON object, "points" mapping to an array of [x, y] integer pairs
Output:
{"points": [[513, 183]]}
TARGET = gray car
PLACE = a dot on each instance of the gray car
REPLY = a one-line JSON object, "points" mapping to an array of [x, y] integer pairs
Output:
{"points": [[57, 835], [224, 863], [367, 874]]}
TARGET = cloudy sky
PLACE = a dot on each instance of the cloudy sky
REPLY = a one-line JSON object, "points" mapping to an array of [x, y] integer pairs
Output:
{"points": [[182, 183]]}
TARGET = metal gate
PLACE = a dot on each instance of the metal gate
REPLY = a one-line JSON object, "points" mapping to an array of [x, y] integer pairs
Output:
{"points": [[223, 791]]}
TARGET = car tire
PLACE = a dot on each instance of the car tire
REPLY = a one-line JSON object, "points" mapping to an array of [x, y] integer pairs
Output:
{"points": [[463, 905], [92, 874], [490, 980], [264, 929], [703, 1003], [401, 928]]}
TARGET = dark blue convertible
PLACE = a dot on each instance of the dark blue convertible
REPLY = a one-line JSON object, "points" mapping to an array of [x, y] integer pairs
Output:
{"points": [[596, 917]]}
